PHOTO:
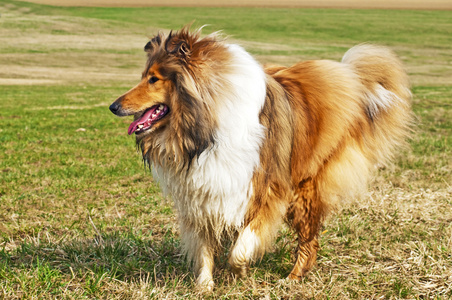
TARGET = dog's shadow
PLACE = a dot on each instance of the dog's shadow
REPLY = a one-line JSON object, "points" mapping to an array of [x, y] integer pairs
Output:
{"points": [[117, 256], [126, 257]]}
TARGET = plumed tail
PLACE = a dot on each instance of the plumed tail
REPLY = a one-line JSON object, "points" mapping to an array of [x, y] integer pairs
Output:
{"points": [[387, 98]]}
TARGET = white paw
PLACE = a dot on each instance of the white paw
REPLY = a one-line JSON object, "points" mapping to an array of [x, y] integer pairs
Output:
{"points": [[204, 284]]}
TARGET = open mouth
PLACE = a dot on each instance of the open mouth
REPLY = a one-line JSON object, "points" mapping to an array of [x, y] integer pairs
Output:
{"points": [[148, 119]]}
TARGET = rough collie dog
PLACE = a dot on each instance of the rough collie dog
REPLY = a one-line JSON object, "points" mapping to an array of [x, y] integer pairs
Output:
{"points": [[241, 148]]}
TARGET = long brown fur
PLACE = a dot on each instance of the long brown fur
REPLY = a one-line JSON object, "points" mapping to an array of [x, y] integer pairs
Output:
{"points": [[336, 141]]}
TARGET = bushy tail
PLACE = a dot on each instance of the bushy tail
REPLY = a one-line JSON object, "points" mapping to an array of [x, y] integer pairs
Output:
{"points": [[388, 97]]}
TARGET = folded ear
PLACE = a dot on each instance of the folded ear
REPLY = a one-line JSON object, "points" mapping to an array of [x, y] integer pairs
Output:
{"points": [[155, 41], [178, 46]]}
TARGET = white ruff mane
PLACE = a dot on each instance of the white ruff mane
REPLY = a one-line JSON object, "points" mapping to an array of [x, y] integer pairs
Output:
{"points": [[215, 192]]}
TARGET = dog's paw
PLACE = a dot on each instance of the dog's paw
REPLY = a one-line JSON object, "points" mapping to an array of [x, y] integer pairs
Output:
{"points": [[239, 271], [204, 284], [294, 277]]}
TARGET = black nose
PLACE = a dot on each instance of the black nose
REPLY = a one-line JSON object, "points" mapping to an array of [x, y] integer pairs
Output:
{"points": [[115, 107]]}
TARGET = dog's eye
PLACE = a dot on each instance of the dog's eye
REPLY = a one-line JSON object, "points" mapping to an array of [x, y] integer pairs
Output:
{"points": [[153, 79]]}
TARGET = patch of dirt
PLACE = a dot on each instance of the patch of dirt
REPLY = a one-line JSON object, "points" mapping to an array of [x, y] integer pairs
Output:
{"points": [[28, 81], [56, 75], [383, 4]]}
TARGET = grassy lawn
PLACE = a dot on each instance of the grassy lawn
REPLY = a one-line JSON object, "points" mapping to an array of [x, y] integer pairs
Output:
{"points": [[80, 215]]}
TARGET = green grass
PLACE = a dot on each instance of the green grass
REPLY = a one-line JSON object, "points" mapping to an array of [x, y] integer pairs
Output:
{"points": [[261, 24], [80, 215]]}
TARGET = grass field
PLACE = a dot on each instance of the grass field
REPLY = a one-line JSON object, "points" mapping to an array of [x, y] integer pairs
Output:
{"points": [[81, 218]]}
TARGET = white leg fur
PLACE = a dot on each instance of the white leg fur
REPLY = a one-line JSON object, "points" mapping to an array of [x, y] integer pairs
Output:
{"points": [[245, 250], [201, 253], [204, 268]]}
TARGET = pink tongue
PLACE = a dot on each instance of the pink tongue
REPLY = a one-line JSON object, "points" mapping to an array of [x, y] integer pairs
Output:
{"points": [[134, 126]]}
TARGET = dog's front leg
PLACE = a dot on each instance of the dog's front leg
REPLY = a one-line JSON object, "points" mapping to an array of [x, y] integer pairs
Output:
{"points": [[244, 252], [259, 234], [204, 267], [201, 252]]}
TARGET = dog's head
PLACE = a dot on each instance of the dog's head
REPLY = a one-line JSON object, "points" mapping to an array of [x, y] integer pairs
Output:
{"points": [[173, 104]]}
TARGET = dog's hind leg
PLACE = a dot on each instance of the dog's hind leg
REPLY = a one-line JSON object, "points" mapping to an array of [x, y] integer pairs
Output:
{"points": [[305, 258], [306, 214]]}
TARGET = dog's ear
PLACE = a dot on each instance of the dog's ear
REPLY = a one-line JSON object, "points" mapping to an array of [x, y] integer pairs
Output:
{"points": [[178, 46], [155, 41]]}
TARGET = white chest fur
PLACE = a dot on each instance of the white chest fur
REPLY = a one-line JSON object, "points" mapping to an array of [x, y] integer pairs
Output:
{"points": [[217, 188]]}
